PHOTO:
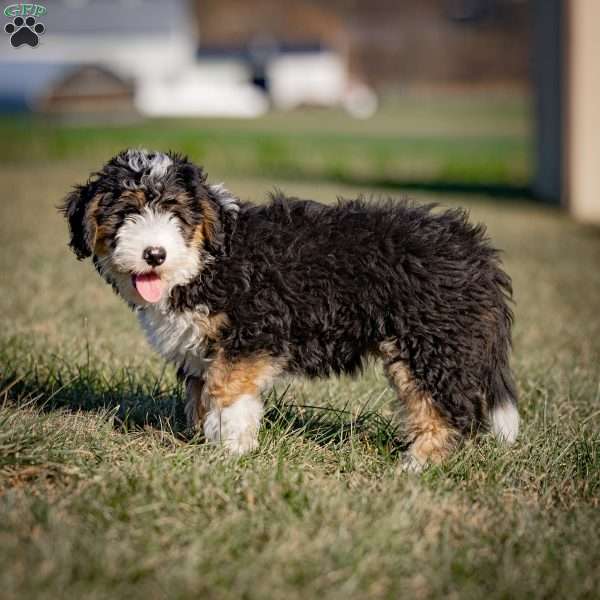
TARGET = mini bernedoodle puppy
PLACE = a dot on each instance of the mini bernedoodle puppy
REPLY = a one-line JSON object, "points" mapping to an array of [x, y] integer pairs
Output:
{"points": [[236, 294]]}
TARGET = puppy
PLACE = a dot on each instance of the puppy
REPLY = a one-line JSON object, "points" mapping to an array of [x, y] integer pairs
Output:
{"points": [[236, 294]]}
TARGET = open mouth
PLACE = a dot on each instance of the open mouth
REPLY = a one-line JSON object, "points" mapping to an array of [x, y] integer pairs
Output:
{"points": [[149, 286]]}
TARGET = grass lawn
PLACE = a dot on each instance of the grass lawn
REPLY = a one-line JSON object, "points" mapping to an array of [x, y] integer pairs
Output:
{"points": [[471, 141], [103, 496]]}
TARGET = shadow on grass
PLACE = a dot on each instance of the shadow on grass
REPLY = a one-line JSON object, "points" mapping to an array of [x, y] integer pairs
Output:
{"points": [[332, 426], [134, 405], [131, 403]]}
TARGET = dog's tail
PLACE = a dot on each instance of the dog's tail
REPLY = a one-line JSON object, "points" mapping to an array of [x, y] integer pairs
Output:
{"points": [[503, 413]]}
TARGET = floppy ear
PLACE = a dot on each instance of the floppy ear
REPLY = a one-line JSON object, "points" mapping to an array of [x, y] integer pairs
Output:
{"points": [[78, 208]]}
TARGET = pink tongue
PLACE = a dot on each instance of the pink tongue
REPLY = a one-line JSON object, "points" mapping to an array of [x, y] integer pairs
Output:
{"points": [[149, 286]]}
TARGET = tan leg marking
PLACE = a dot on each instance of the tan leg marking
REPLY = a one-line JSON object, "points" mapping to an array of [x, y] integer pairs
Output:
{"points": [[226, 381], [232, 395], [433, 438]]}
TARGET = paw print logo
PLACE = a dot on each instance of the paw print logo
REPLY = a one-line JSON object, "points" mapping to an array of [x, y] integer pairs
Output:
{"points": [[24, 31]]}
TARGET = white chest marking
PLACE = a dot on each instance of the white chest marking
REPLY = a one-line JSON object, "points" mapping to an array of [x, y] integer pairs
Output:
{"points": [[179, 337]]}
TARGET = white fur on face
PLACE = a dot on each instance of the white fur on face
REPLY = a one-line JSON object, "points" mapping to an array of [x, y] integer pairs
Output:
{"points": [[147, 229]]}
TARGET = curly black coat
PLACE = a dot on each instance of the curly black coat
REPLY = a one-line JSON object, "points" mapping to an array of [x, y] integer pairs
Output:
{"points": [[324, 285]]}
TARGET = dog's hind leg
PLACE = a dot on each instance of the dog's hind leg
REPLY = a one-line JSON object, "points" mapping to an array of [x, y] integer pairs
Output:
{"points": [[232, 396], [432, 437]]}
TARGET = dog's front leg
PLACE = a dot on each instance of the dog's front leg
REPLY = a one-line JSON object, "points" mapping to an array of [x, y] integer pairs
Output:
{"points": [[195, 405], [232, 397]]}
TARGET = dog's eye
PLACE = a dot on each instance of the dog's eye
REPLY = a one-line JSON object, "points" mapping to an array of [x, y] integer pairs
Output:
{"points": [[134, 200], [119, 212]]}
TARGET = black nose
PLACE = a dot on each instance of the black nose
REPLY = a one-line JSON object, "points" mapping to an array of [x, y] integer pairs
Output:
{"points": [[154, 255]]}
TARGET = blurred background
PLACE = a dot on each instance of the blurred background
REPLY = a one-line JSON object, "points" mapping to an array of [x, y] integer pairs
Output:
{"points": [[485, 96], [491, 105], [486, 104]]}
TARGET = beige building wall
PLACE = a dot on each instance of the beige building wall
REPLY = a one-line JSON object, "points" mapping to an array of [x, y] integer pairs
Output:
{"points": [[583, 110]]}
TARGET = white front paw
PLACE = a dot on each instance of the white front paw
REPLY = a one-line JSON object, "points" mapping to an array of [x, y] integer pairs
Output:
{"points": [[242, 444], [411, 464], [235, 426]]}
